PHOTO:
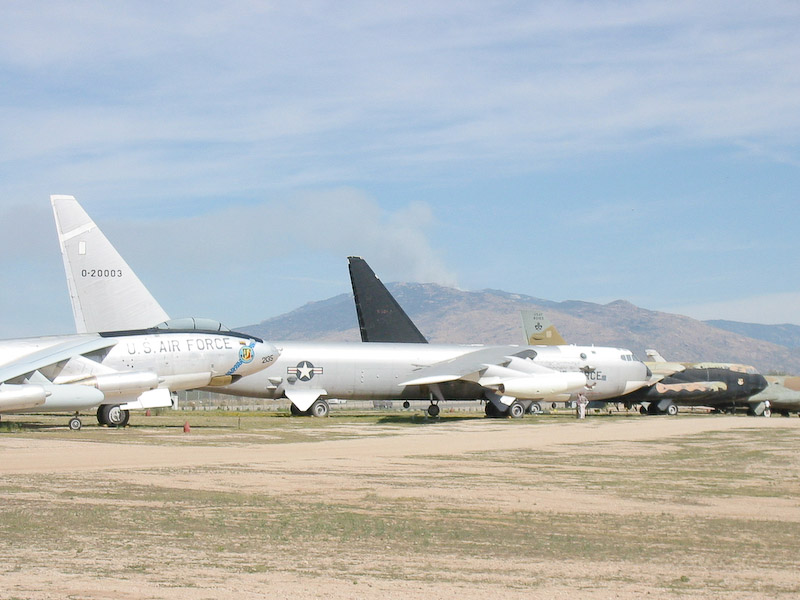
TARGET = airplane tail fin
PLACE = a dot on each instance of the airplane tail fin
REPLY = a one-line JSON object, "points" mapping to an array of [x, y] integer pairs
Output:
{"points": [[538, 329], [106, 295], [655, 356], [380, 317]]}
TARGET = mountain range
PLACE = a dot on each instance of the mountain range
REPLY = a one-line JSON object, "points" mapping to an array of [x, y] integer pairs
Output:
{"points": [[448, 315]]}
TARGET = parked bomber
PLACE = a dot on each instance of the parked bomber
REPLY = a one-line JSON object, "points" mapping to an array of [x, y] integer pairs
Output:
{"points": [[124, 367], [510, 378], [381, 319], [721, 386], [782, 393]]}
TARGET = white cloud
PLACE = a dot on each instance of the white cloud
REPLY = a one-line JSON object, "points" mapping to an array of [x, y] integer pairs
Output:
{"points": [[190, 112], [321, 92]]}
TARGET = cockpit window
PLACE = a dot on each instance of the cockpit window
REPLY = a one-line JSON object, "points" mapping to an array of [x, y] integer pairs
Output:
{"points": [[192, 323]]}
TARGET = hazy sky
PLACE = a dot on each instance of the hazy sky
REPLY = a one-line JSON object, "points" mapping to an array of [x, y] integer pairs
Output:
{"points": [[236, 153]]}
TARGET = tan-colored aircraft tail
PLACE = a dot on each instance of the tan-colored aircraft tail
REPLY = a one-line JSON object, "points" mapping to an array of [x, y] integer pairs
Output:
{"points": [[539, 331]]}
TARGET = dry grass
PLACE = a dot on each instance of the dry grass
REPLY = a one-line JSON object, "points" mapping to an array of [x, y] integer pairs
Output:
{"points": [[704, 514]]}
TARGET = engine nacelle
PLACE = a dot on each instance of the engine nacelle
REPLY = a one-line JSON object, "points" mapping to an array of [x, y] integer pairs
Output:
{"points": [[123, 383], [71, 397], [21, 397], [48, 397], [542, 385]]}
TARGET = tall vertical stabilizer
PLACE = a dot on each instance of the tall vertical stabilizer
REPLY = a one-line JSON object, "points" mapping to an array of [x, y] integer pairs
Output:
{"points": [[106, 295], [380, 317]]}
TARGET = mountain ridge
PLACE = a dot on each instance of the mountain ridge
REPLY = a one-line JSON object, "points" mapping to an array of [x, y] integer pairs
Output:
{"points": [[448, 315]]}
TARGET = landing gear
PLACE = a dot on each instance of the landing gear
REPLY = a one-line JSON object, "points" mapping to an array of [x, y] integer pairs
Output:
{"points": [[320, 408], [535, 408], [75, 423], [664, 407], [516, 410], [112, 415], [767, 413], [492, 411], [406, 404], [433, 410]]}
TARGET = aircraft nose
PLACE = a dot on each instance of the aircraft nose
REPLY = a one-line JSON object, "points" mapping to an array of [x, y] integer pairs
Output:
{"points": [[638, 376], [265, 355], [758, 383]]}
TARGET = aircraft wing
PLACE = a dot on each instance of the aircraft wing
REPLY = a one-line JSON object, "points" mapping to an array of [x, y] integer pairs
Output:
{"points": [[52, 355], [466, 366]]}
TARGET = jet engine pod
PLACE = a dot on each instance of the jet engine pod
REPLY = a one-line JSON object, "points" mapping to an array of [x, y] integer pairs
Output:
{"points": [[123, 383], [71, 397], [21, 397], [542, 385]]}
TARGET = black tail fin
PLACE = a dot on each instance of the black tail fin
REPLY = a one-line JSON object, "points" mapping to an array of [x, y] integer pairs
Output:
{"points": [[380, 317]]}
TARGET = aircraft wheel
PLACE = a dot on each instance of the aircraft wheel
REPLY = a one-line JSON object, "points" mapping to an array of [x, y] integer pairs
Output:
{"points": [[535, 408], [433, 410], [672, 410], [320, 408], [75, 424], [101, 414], [516, 410], [643, 410], [297, 412], [491, 410], [406, 404], [115, 416], [767, 413]]}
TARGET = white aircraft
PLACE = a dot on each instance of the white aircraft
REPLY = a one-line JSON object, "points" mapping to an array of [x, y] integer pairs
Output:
{"points": [[131, 367], [511, 379], [124, 370]]}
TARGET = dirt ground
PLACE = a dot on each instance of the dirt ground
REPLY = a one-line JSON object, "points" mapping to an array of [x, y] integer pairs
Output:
{"points": [[374, 506]]}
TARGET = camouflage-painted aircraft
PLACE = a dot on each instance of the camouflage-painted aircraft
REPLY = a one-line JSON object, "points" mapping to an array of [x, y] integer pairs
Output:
{"points": [[782, 394], [509, 378], [722, 386]]}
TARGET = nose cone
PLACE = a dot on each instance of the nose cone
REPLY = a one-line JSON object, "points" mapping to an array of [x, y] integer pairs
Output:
{"points": [[254, 356], [638, 376], [757, 383], [265, 356]]}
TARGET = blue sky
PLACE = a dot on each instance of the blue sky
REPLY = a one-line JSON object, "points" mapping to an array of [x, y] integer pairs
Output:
{"points": [[237, 154]]}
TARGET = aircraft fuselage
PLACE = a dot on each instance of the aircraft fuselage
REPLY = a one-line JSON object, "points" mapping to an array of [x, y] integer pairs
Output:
{"points": [[131, 364], [375, 371]]}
